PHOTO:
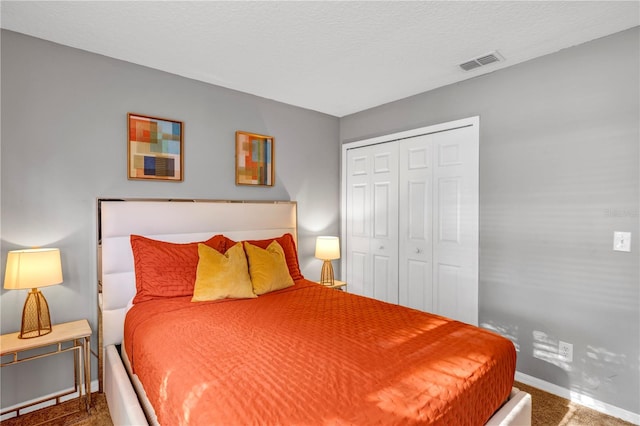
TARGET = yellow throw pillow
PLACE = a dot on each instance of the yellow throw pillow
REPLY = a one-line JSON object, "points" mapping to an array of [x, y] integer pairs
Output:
{"points": [[267, 268], [222, 276]]}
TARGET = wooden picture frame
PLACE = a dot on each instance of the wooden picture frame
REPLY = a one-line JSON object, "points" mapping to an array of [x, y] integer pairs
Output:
{"points": [[154, 148], [255, 160]]}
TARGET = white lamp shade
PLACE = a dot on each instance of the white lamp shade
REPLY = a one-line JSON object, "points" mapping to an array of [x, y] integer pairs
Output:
{"points": [[328, 248], [32, 268]]}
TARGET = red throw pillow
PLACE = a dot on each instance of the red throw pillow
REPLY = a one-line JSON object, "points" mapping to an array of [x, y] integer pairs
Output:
{"points": [[165, 269], [289, 248]]}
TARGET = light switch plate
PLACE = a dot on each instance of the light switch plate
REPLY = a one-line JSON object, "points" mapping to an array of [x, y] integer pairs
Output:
{"points": [[621, 241]]}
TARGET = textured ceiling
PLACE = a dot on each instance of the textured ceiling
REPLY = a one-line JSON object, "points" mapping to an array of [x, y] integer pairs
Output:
{"points": [[331, 56]]}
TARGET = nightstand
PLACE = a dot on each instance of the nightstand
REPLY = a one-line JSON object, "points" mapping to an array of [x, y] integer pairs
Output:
{"points": [[340, 285], [70, 336]]}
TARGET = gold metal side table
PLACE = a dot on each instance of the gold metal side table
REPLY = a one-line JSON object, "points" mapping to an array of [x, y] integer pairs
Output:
{"points": [[70, 336]]}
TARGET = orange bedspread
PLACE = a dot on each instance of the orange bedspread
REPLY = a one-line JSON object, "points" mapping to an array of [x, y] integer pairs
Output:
{"points": [[312, 355]]}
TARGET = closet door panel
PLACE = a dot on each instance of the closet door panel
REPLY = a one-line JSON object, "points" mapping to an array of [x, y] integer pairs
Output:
{"points": [[372, 203], [415, 223], [382, 210], [456, 225], [384, 241], [447, 290], [358, 225], [359, 215], [358, 273], [417, 286], [448, 210], [384, 283]]}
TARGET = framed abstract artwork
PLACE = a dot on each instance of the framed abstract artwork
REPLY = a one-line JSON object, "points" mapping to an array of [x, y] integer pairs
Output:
{"points": [[155, 148], [254, 159]]}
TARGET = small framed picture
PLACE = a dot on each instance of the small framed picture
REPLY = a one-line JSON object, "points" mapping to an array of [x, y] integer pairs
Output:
{"points": [[155, 150], [254, 159]]}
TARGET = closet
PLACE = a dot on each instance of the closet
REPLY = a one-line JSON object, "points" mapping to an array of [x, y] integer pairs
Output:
{"points": [[410, 218]]}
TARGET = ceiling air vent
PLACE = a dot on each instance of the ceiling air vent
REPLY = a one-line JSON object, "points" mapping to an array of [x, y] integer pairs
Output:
{"points": [[480, 61]]}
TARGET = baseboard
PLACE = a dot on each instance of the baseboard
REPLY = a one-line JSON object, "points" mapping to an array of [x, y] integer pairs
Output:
{"points": [[578, 398], [11, 414]]}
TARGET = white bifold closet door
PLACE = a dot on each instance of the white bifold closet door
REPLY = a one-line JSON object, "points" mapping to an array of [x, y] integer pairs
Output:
{"points": [[411, 225], [373, 221]]}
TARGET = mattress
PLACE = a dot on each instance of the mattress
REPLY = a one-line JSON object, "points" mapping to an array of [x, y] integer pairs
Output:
{"points": [[312, 355]]}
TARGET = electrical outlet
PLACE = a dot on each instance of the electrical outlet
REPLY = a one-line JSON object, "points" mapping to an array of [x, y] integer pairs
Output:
{"points": [[565, 351]]}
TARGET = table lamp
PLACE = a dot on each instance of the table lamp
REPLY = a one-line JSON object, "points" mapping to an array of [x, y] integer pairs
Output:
{"points": [[33, 268], [327, 249]]}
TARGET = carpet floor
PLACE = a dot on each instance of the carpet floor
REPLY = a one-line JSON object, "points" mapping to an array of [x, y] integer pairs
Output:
{"points": [[66, 414], [548, 410], [551, 410]]}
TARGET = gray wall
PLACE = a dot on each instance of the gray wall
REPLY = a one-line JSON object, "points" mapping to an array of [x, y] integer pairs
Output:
{"points": [[559, 162], [64, 143]]}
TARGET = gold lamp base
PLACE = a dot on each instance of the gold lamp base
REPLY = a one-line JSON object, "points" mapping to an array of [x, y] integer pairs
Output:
{"points": [[35, 316], [326, 275]]}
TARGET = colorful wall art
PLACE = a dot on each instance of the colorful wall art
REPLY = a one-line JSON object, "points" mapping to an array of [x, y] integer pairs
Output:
{"points": [[254, 159], [155, 150]]}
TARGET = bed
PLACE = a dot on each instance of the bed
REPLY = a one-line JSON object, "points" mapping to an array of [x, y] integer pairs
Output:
{"points": [[298, 353]]}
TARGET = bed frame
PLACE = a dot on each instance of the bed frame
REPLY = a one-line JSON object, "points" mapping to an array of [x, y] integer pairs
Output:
{"points": [[186, 221]]}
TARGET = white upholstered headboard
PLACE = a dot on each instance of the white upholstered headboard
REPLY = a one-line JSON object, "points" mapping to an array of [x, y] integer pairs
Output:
{"points": [[176, 221]]}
